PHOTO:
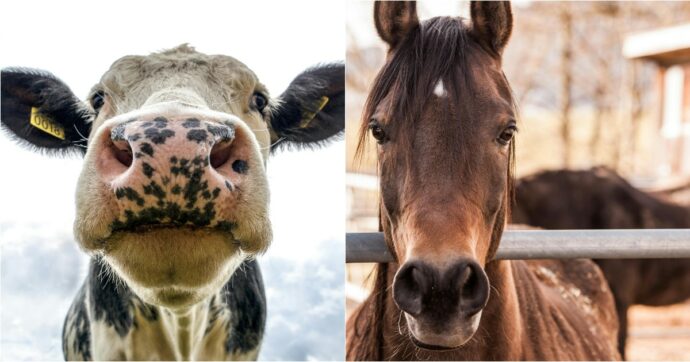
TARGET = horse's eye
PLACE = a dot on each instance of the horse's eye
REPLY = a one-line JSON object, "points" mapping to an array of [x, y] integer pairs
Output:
{"points": [[97, 100], [259, 102], [377, 132], [507, 135]]}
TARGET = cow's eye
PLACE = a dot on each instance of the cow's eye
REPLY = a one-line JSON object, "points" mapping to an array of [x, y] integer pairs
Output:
{"points": [[507, 135], [377, 132], [259, 102], [97, 100]]}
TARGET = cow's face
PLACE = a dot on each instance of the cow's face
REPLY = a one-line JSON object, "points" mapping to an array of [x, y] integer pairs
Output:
{"points": [[173, 190]]}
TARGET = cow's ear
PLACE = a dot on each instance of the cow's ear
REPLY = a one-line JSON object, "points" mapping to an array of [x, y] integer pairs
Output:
{"points": [[40, 111], [312, 108]]}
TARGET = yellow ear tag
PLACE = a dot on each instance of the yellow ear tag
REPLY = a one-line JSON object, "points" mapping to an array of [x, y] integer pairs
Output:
{"points": [[46, 125], [307, 117]]}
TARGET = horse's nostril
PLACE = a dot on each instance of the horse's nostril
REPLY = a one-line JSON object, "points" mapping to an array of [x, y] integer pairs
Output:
{"points": [[123, 152], [474, 288], [220, 154], [469, 282], [409, 287], [418, 277]]}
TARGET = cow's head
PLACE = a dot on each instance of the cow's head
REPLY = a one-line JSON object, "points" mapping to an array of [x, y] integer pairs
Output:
{"points": [[173, 192]]}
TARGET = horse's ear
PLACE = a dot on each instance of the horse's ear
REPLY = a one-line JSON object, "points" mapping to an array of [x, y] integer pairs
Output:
{"points": [[492, 23], [395, 19]]}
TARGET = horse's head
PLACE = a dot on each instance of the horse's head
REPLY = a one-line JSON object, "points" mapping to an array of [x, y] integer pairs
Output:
{"points": [[443, 115]]}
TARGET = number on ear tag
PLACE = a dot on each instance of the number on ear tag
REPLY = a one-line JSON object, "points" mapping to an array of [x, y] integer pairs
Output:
{"points": [[46, 125]]}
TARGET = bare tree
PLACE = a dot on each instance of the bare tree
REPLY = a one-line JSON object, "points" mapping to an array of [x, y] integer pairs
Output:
{"points": [[566, 24]]}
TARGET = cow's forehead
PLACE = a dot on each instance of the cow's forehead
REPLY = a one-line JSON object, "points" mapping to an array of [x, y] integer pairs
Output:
{"points": [[181, 66]]}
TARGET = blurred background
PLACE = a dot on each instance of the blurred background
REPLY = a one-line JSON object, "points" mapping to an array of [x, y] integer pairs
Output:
{"points": [[41, 266], [598, 84]]}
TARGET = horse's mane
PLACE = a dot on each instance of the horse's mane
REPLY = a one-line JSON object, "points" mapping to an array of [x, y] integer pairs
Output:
{"points": [[366, 337]]}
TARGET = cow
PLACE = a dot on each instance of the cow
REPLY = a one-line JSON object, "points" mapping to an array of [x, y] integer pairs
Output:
{"points": [[172, 199], [599, 198]]}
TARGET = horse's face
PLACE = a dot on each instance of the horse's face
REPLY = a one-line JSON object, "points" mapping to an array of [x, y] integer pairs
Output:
{"points": [[442, 113]]}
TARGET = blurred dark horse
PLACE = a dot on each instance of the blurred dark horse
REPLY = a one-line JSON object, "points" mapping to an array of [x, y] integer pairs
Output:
{"points": [[601, 199], [443, 116]]}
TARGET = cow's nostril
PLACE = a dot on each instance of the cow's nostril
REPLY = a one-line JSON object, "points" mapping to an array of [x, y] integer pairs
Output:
{"points": [[220, 154], [123, 152], [240, 166]]}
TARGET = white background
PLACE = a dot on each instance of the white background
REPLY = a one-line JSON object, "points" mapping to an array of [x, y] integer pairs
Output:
{"points": [[41, 266]]}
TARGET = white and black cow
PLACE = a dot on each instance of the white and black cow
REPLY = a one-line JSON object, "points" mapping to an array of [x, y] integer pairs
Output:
{"points": [[172, 200]]}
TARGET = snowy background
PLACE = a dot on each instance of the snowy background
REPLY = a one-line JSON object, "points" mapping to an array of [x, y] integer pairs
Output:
{"points": [[41, 267]]}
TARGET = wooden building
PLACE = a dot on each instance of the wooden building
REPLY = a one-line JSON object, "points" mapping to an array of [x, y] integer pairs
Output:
{"points": [[669, 49]]}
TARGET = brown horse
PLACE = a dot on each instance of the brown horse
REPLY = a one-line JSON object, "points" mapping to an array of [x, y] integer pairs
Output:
{"points": [[601, 199], [443, 115]]}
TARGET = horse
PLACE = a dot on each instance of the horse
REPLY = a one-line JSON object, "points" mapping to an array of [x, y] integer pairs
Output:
{"points": [[601, 199], [443, 115]]}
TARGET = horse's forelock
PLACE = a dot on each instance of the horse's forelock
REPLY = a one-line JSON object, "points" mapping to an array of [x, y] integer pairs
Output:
{"points": [[430, 53]]}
